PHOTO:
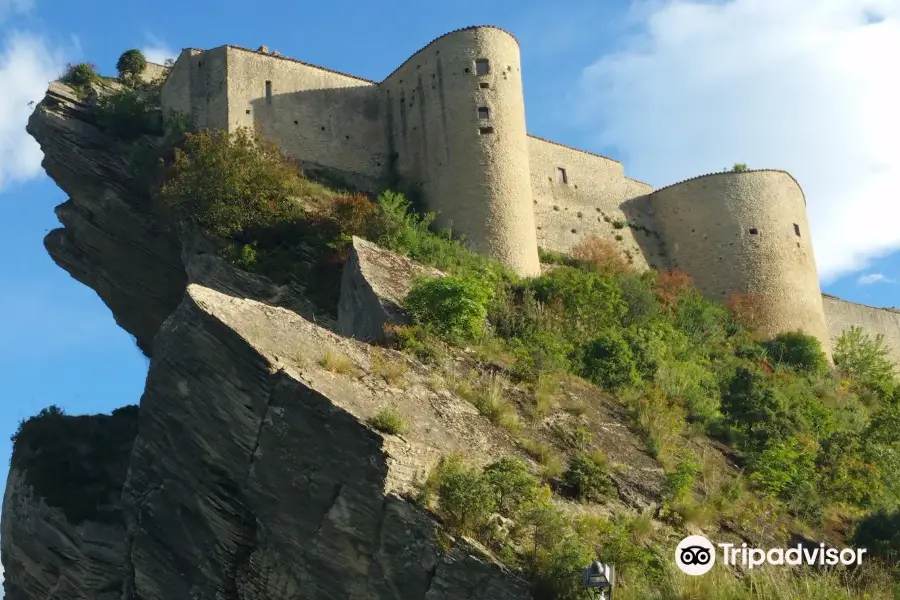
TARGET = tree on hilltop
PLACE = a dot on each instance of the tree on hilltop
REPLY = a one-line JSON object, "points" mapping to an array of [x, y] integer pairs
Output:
{"points": [[130, 65]]}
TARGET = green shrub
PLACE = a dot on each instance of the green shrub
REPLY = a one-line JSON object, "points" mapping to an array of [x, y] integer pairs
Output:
{"points": [[514, 486], [77, 463], [640, 301], [231, 185], [79, 77], [739, 167], [865, 361], [590, 301], [128, 113], [587, 477], [388, 420], [799, 351], [785, 468], [454, 307], [879, 534], [680, 481], [130, 65], [465, 498], [609, 362]]}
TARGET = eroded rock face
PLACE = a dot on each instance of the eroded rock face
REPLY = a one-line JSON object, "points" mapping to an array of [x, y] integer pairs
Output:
{"points": [[256, 476], [374, 284], [110, 239]]}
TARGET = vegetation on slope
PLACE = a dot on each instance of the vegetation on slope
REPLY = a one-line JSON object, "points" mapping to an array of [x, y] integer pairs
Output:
{"points": [[818, 445]]}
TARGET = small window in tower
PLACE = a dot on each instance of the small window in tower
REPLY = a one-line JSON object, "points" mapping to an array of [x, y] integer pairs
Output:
{"points": [[484, 85], [561, 176], [796, 230], [485, 130], [268, 92], [754, 231], [482, 67], [483, 112]]}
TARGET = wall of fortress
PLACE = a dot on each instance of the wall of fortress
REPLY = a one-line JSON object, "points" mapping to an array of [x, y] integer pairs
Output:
{"points": [[592, 198], [745, 232], [323, 118], [458, 131], [840, 315]]}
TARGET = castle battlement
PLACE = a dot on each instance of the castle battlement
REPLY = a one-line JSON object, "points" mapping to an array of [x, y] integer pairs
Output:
{"points": [[449, 124]]}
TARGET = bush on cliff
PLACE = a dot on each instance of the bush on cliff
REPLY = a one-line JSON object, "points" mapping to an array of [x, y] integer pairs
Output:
{"points": [[80, 77]]}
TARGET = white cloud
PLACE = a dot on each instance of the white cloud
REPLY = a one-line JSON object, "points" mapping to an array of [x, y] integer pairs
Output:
{"points": [[27, 64], [156, 51], [873, 278], [787, 84]]}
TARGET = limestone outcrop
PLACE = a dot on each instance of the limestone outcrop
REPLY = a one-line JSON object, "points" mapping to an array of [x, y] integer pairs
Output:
{"points": [[374, 284]]}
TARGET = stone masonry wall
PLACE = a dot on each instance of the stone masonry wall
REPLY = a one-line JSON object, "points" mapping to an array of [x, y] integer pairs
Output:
{"points": [[840, 315], [460, 134], [746, 232], [593, 199], [197, 86], [322, 118]]}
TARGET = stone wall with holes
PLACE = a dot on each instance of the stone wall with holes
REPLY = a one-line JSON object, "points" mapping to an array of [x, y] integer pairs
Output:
{"points": [[579, 195], [326, 120], [745, 232], [197, 86], [840, 315], [457, 116]]}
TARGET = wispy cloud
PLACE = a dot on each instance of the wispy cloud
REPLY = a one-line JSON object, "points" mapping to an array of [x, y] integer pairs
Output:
{"points": [[157, 51], [873, 278], [790, 84], [9, 8], [27, 64]]}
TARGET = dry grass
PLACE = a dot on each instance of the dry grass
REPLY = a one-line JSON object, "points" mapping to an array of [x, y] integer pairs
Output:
{"points": [[391, 370], [335, 362]]}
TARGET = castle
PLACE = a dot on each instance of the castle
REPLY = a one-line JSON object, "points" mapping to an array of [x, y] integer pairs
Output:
{"points": [[450, 123]]}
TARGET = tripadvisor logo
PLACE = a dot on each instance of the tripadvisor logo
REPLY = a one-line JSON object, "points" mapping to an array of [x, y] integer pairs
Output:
{"points": [[696, 555]]}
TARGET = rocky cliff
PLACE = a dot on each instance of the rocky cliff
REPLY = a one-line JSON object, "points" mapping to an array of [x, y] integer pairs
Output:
{"points": [[254, 473]]}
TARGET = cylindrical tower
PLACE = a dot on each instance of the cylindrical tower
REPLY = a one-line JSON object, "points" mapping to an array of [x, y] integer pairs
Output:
{"points": [[457, 116], [746, 232]]}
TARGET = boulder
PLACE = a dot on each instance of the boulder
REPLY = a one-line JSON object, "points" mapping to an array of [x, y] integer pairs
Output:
{"points": [[375, 282]]}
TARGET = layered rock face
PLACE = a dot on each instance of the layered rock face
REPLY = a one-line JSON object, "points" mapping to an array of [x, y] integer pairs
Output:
{"points": [[254, 474]]}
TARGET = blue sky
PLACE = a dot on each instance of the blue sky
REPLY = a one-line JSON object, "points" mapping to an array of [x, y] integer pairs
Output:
{"points": [[673, 89]]}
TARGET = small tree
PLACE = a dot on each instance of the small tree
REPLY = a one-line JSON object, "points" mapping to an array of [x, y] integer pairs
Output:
{"points": [[865, 361], [739, 167], [130, 65]]}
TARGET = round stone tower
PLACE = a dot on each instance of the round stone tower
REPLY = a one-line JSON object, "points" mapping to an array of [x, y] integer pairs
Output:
{"points": [[746, 232], [457, 116]]}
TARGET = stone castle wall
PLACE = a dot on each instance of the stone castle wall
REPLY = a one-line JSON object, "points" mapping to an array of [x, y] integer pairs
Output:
{"points": [[590, 197], [459, 133], [745, 232], [840, 315], [327, 120]]}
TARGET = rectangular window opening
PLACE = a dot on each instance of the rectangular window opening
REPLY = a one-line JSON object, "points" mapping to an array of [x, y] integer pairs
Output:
{"points": [[796, 230], [754, 231], [484, 85], [268, 92], [483, 112], [485, 130], [561, 176], [482, 66]]}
